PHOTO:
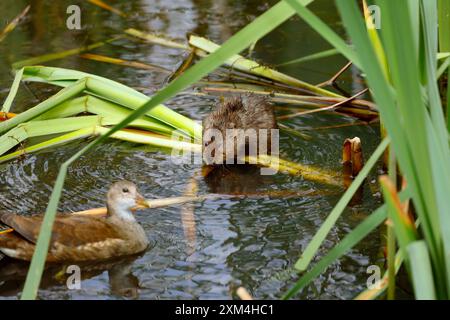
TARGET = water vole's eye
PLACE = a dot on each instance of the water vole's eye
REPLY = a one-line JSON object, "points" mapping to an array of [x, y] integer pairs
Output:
{"points": [[125, 190]]}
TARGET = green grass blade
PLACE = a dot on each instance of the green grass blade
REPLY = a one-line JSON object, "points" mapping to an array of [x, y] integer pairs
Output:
{"points": [[69, 137], [240, 63], [360, 232], [311, 57], [422, 274], [103, 108], [404, 227], [114, 92], [42, 128], [244, 38], [444, 25], [325, 31], [13, 91], [37, 264], [152, 139], [12, 138], [58, 98], [310, 251], [391, 262], [416, 141], [442, 68], [448, 101]]}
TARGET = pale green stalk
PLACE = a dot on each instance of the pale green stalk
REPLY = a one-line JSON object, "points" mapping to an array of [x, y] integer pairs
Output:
{"points": [[103, 108], [257, 29], [69, 137], [32, 129], [13, 91], [240, 63], [46, 105], [115, 92]]}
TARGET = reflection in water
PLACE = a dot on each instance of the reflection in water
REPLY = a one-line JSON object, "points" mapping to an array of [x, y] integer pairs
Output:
{"points": [[121, 280], [236, 179]]}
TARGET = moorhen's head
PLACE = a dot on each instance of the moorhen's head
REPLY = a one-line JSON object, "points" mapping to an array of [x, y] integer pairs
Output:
{"points": [[123, 197]]}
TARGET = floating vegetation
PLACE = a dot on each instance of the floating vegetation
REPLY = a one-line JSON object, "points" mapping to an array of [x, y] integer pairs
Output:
{"points": [[411, 102]]}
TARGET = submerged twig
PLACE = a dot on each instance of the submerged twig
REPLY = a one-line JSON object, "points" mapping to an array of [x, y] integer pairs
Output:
{"points": [[62, 54], [344, 125], [183, 66], [332, 80], [332, 107], [133, 64], [314, 56], [12, 25], [106, 6], [356, 103]]}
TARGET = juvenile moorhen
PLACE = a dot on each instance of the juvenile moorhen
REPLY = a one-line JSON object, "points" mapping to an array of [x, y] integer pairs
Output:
{"points": [[82, 238]]}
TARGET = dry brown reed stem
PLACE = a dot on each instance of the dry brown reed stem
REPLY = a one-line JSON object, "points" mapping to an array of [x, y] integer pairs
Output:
{"points": [[332, 107], [122, 62], [363, 104], [12, 25], [333, 79]]}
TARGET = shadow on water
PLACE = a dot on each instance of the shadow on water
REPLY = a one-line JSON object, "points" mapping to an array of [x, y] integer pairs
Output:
{"points": [[236, 179], [121, 280]]}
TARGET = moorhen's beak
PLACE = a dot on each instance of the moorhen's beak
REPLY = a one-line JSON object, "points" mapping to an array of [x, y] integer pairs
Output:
{"points": [[141, 203]]}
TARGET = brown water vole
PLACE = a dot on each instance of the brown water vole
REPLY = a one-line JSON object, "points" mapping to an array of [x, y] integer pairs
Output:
{"points": [[247, 111]]}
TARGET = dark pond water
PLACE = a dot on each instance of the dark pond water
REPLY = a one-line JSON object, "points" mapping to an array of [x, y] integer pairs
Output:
{"points": [[253, 242]]}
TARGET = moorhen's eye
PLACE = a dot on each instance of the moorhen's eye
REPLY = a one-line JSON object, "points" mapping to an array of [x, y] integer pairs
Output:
{"points": [[125, 190]]}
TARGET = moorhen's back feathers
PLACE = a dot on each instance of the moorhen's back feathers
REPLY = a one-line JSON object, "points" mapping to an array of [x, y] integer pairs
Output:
{"points": [[78, 230]]}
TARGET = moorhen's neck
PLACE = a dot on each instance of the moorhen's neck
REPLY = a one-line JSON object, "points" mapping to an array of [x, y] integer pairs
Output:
{"points": [[115, 210]]}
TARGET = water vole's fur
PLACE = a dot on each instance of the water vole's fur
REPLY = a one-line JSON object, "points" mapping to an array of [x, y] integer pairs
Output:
{"points": [[246, 111]]}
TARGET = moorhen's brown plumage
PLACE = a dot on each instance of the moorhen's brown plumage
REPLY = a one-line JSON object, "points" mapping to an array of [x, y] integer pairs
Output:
{"points": [[82, 238]]}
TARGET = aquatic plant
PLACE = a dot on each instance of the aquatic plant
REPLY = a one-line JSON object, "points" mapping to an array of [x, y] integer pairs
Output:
{"points": [[401, 70], [401, 62]]}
